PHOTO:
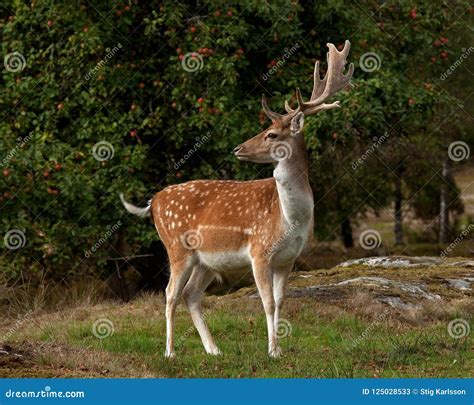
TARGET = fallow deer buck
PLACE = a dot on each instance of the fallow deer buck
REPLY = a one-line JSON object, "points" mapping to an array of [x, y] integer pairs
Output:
{"points": [[213, 226]]}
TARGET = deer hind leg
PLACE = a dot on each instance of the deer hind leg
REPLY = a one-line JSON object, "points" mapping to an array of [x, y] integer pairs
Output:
{"points": [[263, 279], [280, 284], [193, 294], [179, 275]]}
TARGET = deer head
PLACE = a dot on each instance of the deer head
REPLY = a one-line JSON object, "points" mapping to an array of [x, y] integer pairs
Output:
{"points": [[260, 148]]}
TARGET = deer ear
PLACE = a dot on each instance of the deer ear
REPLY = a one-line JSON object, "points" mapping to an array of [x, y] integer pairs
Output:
{"points": [[297, 123]]}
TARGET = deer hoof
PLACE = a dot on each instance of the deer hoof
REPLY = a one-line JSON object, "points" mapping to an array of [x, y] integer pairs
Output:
{"points": [[170, 355], [214, 352], [275, 353]]}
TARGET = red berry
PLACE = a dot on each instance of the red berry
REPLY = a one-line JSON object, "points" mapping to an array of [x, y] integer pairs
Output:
{"points": [[60, 106], [437, 43], [133, 107], [179, 51], [173, 104], [85, 29], [58, 167], [444, 54], [118, 13], [433, 59], [444, 40], [192, 29], [200, 100], [50, 23], [179, 175], [200, 109], [127, 8], [230, 13], [411, 101], [141, 85], [133, 133], [181, 57], [217, 13], [6, 172], [46, 174]]}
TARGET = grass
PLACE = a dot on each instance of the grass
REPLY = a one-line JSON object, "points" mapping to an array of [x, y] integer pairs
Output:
{"points": [[321, 343]]}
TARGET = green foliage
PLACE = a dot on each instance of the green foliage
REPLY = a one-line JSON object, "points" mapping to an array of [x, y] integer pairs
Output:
{"points": [[113, 72]]}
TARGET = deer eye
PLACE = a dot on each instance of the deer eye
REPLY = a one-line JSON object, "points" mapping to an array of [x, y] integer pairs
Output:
{"points": [[272, 135]]}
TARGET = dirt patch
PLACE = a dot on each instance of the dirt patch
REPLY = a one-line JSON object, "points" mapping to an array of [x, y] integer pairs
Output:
{"points": [[47, 360]]}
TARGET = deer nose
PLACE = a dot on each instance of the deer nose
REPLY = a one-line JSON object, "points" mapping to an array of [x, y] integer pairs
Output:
{"points": [[237, 148]]}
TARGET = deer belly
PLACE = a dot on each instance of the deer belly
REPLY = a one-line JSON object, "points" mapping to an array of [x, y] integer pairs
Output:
{"points": [[225, 260]]}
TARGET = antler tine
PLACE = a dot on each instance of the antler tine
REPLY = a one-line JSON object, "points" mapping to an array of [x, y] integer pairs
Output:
{"points": [[270, 114], [318, 83]]}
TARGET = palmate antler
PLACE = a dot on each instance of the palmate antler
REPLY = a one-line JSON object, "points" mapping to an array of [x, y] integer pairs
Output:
{"points": [[334, 80]]}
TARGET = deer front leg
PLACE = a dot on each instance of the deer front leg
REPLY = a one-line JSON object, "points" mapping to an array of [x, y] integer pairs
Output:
{"points": [[263, 279], [280, 284]]}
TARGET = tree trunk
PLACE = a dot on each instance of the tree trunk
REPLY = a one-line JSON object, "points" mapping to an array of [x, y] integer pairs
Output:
{"points": [[346, 231], [398, 208], [443, 206]]}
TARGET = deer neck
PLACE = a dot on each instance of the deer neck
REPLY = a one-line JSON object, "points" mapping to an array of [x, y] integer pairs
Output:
{"points": [[294, 191]]}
